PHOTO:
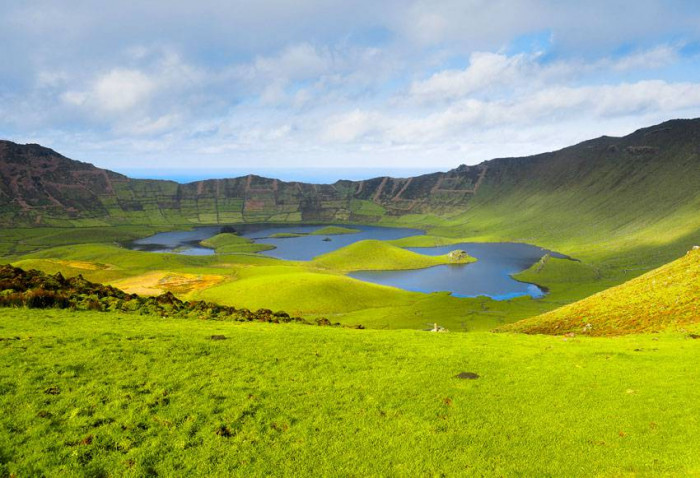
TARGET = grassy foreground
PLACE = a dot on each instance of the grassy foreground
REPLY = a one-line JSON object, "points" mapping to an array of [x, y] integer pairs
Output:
{"points": [[97, 394]]}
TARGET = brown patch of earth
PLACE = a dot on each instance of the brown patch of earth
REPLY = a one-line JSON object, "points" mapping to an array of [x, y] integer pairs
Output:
{"points": [[159, 282], [84, 265]]}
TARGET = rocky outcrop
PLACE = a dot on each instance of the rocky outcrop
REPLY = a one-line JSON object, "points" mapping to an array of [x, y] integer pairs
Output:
{"points": [[458, 255]]}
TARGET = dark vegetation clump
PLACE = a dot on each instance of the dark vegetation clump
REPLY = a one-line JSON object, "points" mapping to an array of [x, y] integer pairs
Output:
{"points": [[36, 289], [228, 230], [467, 375]]}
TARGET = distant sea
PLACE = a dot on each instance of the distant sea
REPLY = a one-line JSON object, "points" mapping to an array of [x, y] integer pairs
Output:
{"points": [[307, 175]]}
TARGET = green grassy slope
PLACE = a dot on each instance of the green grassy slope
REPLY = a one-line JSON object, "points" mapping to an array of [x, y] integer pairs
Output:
{"points": [[378, 255], [620, 201], [97, 394], [334, 231], [668, 296], [286, 235], [228, 243], [294, 289]]}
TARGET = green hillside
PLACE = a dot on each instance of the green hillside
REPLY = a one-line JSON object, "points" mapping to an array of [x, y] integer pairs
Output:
{"points": [[373, 255], [228, 243], [666, 297], [614, 200], [334, 231]]}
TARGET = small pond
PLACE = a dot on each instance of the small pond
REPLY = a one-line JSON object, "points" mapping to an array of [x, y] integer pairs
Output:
{"points": [[489, 276]]}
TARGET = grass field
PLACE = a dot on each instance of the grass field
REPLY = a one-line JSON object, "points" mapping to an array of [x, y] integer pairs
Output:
{"points": [[98, 394]]}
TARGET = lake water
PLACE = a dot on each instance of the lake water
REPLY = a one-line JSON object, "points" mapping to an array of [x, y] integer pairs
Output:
{"points": [[489, 276]]}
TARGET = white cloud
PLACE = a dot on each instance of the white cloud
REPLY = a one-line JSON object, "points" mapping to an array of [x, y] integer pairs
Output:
{"points": [[317, 82], [657, 57], [485, 71], [116, 91], [488, 72]]}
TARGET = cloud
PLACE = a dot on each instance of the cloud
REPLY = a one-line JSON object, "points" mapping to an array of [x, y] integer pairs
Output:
{"points": [[488, 72], [116, 91], [546, 107], [318, 82], [485, 71]]}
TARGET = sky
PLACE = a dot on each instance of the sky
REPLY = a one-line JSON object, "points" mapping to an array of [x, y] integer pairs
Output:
{"points": [[328, 89]]}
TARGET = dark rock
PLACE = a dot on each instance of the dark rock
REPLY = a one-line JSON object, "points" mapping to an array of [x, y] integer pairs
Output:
{"points": [[218, 337]]}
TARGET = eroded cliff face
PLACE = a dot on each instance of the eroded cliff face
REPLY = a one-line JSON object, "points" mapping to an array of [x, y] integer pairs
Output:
{"points": [[40, 186]]}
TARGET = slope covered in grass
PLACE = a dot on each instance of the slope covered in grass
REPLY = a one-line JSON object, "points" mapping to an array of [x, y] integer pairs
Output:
{"points": [[625, 202], [228, 243], [667, 296], [334, 231], [379, 255], [295, 289], [102, 394], [287, 235]]}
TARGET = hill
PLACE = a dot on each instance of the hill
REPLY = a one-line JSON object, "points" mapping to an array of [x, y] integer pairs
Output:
{"points": [[609, 199], [662, 298], [228, 243], [371, 255]]}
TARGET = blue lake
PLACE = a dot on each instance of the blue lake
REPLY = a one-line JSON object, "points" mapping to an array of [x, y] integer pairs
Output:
{"points": [[489, 276]]}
